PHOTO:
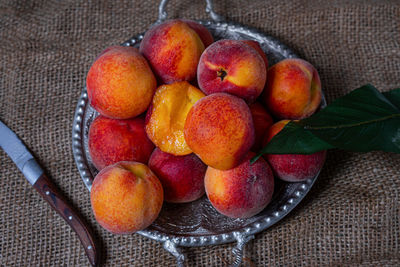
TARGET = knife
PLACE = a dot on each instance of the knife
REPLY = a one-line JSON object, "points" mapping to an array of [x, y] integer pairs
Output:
{"points": [[26, 163]]}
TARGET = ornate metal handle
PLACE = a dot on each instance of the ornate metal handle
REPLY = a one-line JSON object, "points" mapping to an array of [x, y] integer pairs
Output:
{"points": [[162, 14], [237, 251], [242, 239], [172, 248]]}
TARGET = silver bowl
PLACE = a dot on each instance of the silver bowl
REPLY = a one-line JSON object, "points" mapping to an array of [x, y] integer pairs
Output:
{"points": [[198, 223]]}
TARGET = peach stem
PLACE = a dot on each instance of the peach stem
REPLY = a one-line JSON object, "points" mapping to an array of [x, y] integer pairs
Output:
{"points": [[221, 73]]}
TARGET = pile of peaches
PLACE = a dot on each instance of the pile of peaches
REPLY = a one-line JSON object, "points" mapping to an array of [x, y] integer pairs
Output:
{"points": [[183, 115]]}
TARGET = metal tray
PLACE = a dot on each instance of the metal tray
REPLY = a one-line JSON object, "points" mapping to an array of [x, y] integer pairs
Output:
{"points": [[198, 223]]}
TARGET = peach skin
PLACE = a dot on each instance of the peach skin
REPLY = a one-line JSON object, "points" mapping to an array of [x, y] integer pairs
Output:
{"points": [[233, 67], [257, 47], [262, 121], [112, 140], [126, 197], [292, 167], [173, 50], [293, 89], [120, 83], [219, 129], [166, 116], [243, 191], [202, 31], [182, 177]]}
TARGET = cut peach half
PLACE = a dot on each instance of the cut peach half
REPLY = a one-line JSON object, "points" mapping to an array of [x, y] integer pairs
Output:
{"points": [[166, 116]]}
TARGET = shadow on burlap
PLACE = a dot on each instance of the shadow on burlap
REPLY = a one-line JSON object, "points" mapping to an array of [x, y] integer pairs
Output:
{"points": [[350, 217]]}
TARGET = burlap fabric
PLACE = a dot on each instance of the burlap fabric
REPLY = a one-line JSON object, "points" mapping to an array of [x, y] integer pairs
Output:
{"points": [[350, 217]]}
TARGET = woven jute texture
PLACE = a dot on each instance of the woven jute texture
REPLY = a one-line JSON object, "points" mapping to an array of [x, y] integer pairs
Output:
{"points": [[351, 215]]}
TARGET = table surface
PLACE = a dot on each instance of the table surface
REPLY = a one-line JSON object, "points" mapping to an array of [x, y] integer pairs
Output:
{"points": [[350, 217]]}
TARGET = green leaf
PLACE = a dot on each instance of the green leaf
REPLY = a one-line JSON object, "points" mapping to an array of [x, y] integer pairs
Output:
{"points": [[363, 120], [394, 97], [300, 140]]}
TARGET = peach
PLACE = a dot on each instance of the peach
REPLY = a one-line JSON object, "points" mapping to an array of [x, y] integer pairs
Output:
{"points": [[257, 47], [120, 83], [173, 50], [233, 67], [112, 140], [292, 167], [293, 89], [202, 31], [262, 121], [126, 197], [166, 116], [182, 177], [219, 129], [243, 191]]}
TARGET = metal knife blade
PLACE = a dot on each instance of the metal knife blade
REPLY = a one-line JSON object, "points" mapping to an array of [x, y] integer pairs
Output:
{"points": [[19, 154], [24, 160]]}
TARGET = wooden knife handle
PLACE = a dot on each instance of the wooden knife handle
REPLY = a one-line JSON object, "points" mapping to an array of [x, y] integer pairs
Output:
{"points": [[56, 200]]}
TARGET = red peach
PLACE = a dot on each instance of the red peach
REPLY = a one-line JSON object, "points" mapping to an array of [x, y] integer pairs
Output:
{"points": [[262, 121], [112, 140], [173, 50], [293, 89], [243, 191], [233, 67], [182, 177], [126, 197], [293, 167]]}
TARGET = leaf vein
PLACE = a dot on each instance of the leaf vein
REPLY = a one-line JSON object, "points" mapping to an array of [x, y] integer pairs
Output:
{"points": [[308, 127]]}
